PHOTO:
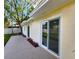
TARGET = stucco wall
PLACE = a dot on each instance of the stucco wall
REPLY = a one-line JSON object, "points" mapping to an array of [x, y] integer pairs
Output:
{"points": [[35, 31], [68, 35]]}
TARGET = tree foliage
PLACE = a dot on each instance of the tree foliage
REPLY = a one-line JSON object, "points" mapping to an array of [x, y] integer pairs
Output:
{"points": [[17, 9]]}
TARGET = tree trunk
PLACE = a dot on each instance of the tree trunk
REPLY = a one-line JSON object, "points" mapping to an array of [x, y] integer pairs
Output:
{"points": [[19, 23]]}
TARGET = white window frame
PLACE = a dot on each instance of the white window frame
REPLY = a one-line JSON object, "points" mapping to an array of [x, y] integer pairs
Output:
{"points": [[60, 41]]}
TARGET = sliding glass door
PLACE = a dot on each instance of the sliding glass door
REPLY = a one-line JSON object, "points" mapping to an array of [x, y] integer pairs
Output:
{"points": [[50, 35]]}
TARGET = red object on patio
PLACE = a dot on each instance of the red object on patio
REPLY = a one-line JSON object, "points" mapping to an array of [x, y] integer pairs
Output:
{"points": [[32, 42]]}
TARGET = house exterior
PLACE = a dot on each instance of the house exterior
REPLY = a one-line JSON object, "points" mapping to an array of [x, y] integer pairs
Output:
{"points": [[51, 25]]}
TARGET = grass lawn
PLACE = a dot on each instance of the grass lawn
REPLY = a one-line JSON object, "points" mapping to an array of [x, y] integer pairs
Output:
{"points": [[6, 38]]}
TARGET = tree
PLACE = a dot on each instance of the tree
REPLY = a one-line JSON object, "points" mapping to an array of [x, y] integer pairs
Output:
{"points": [[17, 10]]}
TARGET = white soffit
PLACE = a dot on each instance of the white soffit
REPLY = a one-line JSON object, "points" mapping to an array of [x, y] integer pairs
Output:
{"points": [[38, 7], [48, 6]]}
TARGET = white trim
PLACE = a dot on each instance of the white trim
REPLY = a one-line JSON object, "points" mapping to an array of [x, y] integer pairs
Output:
{"points": [[60, 42], [48, 34], [35, 10], [60, 37], [40, 33]]}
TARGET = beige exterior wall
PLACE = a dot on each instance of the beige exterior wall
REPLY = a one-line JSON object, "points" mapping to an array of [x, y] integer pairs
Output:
{"points": [[67, 28], [68, 32], [35, 31]]}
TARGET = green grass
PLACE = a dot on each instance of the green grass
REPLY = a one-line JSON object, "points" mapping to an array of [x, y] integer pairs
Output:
{"points": [[6, 38]]}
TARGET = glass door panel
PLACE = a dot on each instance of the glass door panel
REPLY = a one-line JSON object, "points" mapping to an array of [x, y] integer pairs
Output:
{"points": [[53, 35], [44, 33]]}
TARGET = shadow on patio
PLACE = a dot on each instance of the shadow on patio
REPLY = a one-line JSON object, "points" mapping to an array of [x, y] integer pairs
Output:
{"points": [[19, 48]]}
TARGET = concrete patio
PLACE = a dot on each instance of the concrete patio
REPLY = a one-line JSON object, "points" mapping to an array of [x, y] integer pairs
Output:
{"points": [[19, 48]]}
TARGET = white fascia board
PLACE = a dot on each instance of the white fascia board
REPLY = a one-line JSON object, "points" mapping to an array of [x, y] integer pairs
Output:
{"points": [[26, 22], [36, 9]]}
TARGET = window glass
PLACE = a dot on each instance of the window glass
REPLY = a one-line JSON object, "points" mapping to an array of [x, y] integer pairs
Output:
{"points": [[44, 34], [54, 35]]}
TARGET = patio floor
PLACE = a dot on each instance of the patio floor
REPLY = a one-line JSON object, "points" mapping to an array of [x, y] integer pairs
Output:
{"points": [[19, 48]]}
